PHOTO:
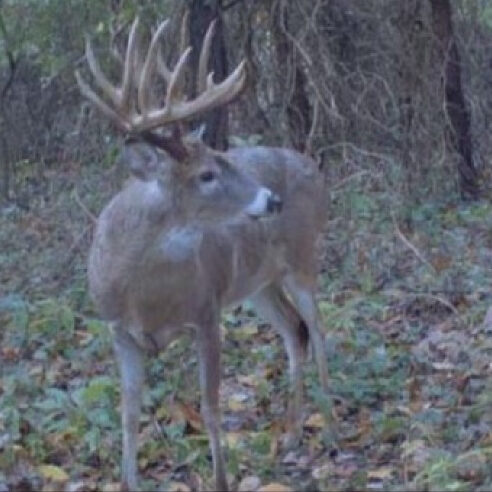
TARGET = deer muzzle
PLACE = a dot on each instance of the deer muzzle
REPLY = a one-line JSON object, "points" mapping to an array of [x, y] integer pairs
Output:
{"points": [[265, 203]]}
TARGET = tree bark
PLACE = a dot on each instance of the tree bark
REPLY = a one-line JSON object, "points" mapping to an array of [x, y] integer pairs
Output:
{"points": [[458, 127], [202, 13], [292, 81], [13, 62]]}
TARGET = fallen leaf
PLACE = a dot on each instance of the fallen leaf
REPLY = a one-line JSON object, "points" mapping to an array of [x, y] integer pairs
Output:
{"points": [[246, 331], [76, 486], [250, 380], [275, 487], [345, 470], [321, 472], [273, 446], [249, 484], [192, 417], [236, 402], [85, 338], [36, 370], [162, 412], [382, 473], [443, 366], [178, 487], [487, 321], [223, 332], [10, 353], [290, 458], [233, 439], [112, 487], [315, 421], [53, 473]]}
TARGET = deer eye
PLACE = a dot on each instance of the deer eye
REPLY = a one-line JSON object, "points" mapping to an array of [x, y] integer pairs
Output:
{"points": [[207, 176]]}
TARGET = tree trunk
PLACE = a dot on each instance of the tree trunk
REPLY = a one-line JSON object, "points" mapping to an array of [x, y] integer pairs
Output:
{"points": [[292, 82], [458, 128], [412, 48], [202, 12]]}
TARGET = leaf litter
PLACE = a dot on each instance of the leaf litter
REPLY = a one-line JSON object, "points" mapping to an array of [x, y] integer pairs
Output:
{"points": [[409, 357]]}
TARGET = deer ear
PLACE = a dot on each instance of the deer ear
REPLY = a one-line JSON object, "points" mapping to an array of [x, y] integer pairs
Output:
{"points": [[142, 159]]}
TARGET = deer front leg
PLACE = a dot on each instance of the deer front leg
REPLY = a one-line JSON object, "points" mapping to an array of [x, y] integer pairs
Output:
{"points": [[209, 348], [131, 365]]}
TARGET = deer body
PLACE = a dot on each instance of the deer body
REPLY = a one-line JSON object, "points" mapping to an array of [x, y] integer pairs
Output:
{"points": [[151, 268], [197, 230]]}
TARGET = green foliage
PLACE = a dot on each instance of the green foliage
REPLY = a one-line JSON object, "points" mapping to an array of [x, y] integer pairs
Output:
{"points": [[245, 141]]}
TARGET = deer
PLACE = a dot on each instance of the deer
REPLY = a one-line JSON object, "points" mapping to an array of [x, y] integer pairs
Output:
{"points": [[197, 230]]}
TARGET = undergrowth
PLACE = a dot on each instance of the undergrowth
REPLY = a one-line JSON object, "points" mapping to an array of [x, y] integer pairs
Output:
{"points": [[403, 303]]}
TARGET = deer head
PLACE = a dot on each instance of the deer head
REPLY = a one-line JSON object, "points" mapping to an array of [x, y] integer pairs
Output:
{"points": [[204, 183]]}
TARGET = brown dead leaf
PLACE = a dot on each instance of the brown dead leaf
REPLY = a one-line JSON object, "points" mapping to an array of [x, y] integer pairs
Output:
{"points": [[315, 421], [363, 430], [233, 439], [345, 470], [10, 354], [275, 487], [189, 414], [85, 337], [382, 473], [415, 390], [250, 380], [53, 473], [273, 446], [441, 262], [178, 487]]}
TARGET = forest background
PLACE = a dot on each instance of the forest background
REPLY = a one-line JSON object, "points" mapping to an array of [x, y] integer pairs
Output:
{"points": [[393, 99]]}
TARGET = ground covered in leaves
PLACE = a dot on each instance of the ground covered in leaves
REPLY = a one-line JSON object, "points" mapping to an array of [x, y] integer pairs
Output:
{"points": [[408, 341]]}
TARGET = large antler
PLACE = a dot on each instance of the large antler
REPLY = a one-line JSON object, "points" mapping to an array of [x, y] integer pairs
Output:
{"points": [[139, 117]]}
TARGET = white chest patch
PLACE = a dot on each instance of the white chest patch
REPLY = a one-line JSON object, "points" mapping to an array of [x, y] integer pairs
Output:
{"points": [[180, 243], [153, 192]]}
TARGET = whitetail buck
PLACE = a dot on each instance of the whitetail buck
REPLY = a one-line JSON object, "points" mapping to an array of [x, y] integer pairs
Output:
{"points": [[197, 230]]}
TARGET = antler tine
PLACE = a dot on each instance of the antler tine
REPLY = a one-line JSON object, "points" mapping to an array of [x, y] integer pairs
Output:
{"points": [[204, 57], [107, 87], [128, 76], [183, 33], [118, 104], [162, 68], [115, 32], [174, 87], [215, 95], [227, 90], [148, 69], [99, 103]]}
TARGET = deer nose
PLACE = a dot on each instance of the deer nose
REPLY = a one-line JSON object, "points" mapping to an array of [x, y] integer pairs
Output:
{"points": [[274, 204]]}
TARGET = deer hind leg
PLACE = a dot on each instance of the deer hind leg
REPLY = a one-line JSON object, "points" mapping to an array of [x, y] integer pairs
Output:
{"points": [[209, 348], [301, 291], [273, 306], [130, 359]]}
